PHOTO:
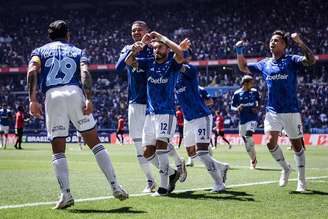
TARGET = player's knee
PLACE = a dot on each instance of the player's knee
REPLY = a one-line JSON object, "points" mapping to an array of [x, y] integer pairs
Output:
{"points": [[270, 142], [191, 151], [149, 151], [161, 143]]}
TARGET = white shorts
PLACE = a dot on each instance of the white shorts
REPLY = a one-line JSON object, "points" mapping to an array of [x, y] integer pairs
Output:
{"points": [[4, 129], [62, 105], [158, 126], [290, 122], [197, 131], [248, 126], [137, 116]]}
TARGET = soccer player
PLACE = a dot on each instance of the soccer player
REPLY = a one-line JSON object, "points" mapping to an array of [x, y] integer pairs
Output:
{"points": [[198, 120], [160, 123], [5, 116], [68, 98], [137, 90], [19, 126], [246, 101], [179, 116], [120, 129], [218, 130], [280, 74]]}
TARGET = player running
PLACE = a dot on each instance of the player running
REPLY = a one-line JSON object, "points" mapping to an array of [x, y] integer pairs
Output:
{"points": [[280, 74], [137, 90], [5, 117], [197, 120], [218, 130], [68, 98], [246, 101], [160, 123]]}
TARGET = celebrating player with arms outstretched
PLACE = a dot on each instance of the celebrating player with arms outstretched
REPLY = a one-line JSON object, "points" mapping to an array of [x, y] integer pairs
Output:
{"points": [[160, 120], [280, 74], [67, 99], [246, 101]]}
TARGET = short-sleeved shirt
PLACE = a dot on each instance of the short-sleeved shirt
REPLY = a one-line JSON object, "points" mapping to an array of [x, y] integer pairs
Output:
{"points": [[19, 120], [5, 115], [281, 79], [137, 81], [161, 80], [189, 95], [60, 64], [249, 100]]}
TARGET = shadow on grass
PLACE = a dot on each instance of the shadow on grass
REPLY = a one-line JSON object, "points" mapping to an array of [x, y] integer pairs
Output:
{"points": [[267, 169], [226, 195], [309, 192], [126, 210]]}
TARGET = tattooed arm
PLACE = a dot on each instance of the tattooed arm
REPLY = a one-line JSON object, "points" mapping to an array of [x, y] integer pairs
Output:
{"points": [[86, 81], [310, 59], [32, 81]]}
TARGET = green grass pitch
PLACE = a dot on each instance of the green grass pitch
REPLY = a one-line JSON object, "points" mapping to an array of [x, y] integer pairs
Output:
{"points": [[26, 177]]}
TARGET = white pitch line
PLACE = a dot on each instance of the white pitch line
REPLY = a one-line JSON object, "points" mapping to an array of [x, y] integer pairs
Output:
{"points": [[142, 194]]}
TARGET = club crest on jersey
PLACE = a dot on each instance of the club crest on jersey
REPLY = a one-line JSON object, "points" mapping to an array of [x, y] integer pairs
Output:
{"points": [[158, 80], [276, 77]]}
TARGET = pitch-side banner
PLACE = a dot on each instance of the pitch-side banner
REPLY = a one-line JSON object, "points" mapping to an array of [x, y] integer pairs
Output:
{"points": [[309, 139]]}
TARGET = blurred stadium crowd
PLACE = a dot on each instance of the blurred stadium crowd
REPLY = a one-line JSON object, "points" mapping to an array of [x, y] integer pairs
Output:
{"points": [[213, 28]]}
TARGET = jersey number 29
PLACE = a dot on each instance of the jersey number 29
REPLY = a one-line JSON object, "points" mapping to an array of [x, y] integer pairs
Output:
{"points": [[67, 66]]}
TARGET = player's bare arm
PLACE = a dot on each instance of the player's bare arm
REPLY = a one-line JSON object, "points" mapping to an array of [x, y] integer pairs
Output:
{"points": [[172, 45], [86, 81], [310, 59], [241, 60], [32, 81]]}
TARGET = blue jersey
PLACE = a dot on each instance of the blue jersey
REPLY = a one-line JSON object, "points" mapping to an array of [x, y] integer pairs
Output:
{"points": [[60, 64], [161, 80], [203, 93], [281, 79], [5, 115], [189, 96], [249, 100], [137, 81]]}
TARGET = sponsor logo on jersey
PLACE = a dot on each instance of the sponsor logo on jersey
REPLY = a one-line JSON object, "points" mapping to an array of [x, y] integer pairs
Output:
{"points": [[276, 77], [181, 90], [248, 104], [158, 80]]}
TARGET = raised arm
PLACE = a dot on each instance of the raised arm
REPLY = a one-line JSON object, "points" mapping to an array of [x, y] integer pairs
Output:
{"points": [[131, 57], [241, 60], [32, 84], [172, 45], [309, 57]]}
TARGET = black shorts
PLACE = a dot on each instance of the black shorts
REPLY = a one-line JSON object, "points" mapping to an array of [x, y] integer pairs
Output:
{"points": [[19, 131], [119, 132], [180, 130]]}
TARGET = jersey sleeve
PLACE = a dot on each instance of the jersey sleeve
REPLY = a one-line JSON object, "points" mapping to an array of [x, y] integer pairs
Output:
{"points": [[189, 71], [120, 65], [203, 93], [84, 57], [235, 102], [255, 68], [297, 59], [35, 56]]}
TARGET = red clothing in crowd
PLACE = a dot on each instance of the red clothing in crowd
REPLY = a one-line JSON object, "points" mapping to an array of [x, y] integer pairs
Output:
{"points": [[219, 123], [19, 120], [120, 124], [179, 116]]}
